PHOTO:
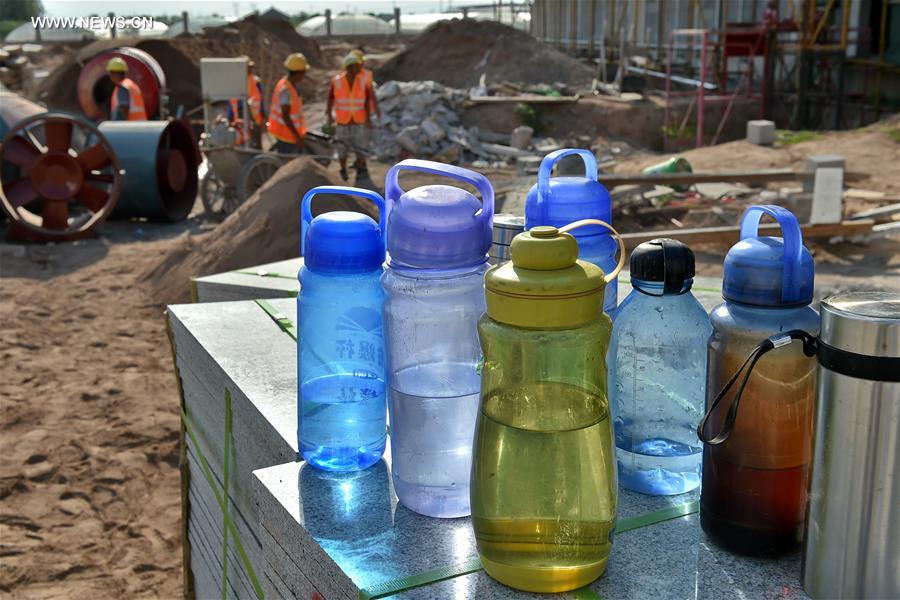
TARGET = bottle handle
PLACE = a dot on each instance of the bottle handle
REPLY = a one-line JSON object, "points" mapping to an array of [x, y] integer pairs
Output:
{"points": [[609, 276], [546, 168], [342, 190], [793, 244], [477, 180]]}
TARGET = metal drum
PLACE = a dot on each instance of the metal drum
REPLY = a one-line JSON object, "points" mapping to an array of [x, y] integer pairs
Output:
{"points": [[852, 547], [506, 227]]}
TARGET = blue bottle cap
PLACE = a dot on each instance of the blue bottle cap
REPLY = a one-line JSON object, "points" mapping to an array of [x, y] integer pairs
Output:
{"points": [[342, 242], [439, 226], [769, 271], [558, 201]]}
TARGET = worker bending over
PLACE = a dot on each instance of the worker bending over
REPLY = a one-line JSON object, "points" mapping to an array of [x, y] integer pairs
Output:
{"points": [[352, 101], [126, 102], [286, 120], [255, 106]]}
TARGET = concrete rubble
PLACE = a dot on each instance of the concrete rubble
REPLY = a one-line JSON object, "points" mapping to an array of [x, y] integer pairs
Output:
{"points": [[422, 119]]}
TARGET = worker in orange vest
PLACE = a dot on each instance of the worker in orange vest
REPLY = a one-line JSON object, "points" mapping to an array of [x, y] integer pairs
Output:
{"points": [[126, 102], [254, 105], [286, 122], [368, 79], [352, 102]]}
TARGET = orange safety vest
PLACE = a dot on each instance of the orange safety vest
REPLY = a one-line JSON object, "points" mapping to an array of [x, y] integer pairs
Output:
{"points": [[277, 126], [349, 104], [254, 98], [136, 111], [367, 77]]}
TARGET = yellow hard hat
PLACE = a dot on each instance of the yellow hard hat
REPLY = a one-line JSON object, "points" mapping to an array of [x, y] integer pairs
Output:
{"points": [[359, 54], [116, 65], [296, 62], [351, 59]]}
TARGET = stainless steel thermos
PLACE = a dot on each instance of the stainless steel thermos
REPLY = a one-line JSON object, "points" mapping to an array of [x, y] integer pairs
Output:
{"points": [[852, 547]]}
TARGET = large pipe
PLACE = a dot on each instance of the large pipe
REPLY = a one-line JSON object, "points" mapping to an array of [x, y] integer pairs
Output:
{"points": [[15, 108], [95, 87], [160, 159]]}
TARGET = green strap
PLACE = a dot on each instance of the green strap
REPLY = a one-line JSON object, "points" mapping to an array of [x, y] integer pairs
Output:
{"points": [[263, 273], [226, 513], [220, 500], [659, 516], [280, 319], [396, 586]]}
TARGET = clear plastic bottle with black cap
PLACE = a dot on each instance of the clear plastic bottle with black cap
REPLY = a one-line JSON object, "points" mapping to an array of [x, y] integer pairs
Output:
{"points": [[657, 368]]}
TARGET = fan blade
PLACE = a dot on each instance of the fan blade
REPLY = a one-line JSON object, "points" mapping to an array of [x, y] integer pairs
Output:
{"points": [[100, 178], [94, 157], [92, 198], [19, 193], [21, 152], [55, 215], [59, 135]]}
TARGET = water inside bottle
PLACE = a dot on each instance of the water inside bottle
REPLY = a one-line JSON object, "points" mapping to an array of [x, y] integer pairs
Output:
{"points": [[433, 411], [342, 421], [657, 465], [544, 501]]}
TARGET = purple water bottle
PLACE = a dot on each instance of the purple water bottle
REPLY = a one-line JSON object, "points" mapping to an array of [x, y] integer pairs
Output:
{"points": [[438, 240]]}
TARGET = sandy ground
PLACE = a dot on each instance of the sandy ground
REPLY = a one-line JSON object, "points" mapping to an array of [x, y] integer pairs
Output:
{"points": [[89, 486]]}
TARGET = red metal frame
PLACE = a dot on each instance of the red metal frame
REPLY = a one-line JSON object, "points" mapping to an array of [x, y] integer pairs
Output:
{"points": [[727, 44]]}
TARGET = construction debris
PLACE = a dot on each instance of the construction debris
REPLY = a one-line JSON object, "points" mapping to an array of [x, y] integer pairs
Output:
{"points": [[458, 52]]}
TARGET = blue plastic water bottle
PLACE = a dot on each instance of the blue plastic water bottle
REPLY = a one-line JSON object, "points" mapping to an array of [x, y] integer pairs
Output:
{"points": [[341, 411], [657, 372], [439, 238], [558, 201]]}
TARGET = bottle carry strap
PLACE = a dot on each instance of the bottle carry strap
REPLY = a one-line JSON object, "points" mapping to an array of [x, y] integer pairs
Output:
{"points": [[810, 344]]}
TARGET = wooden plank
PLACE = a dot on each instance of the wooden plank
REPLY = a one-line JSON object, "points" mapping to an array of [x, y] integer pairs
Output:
{"points": [[730, 235], [526, 98], [759, 176]]}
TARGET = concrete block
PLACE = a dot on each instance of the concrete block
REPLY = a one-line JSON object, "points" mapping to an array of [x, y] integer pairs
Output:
{"points": [[761, 132], [820, 161], [828, 193], [521, 137]]}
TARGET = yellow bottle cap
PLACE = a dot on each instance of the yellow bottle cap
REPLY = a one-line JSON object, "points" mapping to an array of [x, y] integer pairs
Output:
{"points": [[545, 286]]}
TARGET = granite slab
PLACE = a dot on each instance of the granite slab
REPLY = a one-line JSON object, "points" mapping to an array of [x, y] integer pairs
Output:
{"points": [[271, 280], [279, 280], [329, 529]]}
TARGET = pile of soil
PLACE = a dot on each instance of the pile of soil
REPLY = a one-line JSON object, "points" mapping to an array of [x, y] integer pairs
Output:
{"points": [[264, 229], [457, 52], [266, 42]]}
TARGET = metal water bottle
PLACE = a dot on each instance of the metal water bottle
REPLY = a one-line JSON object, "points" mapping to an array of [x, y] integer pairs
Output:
{"points": [[544, 490], [852, 547], [756, 460], [557, 201], [438, 241], [341, 409]]}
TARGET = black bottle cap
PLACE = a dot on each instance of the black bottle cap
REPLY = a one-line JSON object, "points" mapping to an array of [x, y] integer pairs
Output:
{"points": [[663, 260]]}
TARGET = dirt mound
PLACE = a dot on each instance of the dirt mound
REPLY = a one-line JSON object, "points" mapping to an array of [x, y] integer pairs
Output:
{"points": [[267, 42], [459, 51], [265, 229]]}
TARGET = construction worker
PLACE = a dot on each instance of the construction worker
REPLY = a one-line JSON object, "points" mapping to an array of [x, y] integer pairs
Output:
{"points": [[368, 79], [126, 102], [255, 106], [352, 102], [286, 120]]}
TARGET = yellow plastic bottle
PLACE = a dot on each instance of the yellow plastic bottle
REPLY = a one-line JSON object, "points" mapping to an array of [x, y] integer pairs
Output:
{"points": [[543, 488]]}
